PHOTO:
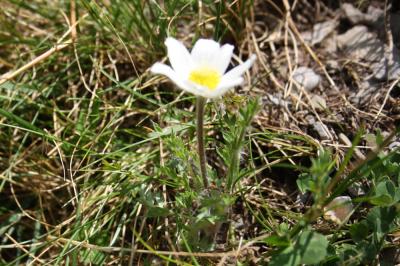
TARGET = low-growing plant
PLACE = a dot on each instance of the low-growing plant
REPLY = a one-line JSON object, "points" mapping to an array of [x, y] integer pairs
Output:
{"points": [[359, 241]]}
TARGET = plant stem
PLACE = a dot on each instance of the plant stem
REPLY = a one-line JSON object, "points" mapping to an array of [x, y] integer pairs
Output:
{"points": [[200, 104]]}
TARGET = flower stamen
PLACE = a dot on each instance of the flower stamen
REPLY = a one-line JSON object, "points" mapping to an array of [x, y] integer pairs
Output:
{"points": [[206, 77]]}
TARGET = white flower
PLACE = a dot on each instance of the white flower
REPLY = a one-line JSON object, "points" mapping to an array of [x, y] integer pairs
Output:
{"points": [[202, 72], [339, 209]]}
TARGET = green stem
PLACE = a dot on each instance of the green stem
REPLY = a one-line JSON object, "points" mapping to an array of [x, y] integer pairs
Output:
{"points": [[200, 104]]}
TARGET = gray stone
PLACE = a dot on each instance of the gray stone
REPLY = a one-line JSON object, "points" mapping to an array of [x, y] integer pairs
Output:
{"points": [[322, 130], [355, 16], [306, 77], [319, 32], [318, 102]]}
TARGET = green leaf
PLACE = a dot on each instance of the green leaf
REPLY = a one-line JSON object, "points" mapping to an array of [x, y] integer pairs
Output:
{"points": [[277, 241], [310, 248], [381, 219], [25, 124], [21, 122], [10, 222], [304, 182], [92, 257], [155, 211], [348, 254], [359, 231], [166, 131], [381, 200], [313, 247], [397, 195], [234, 138], [286, 257], [80, 125], [368, 250], [385, 194]]}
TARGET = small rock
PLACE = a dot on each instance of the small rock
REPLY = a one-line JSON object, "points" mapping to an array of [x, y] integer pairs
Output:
{"points": [[333, 64], [394, 145], [276, 99], [355, 16], [394, 64], [330, 44], [366, 88], [339, 209], [380, 69], [306, 77], [238, 224], [359, 43], [318, 102], [310, 119], [345, 140], [374, 15], [322, 130], [301, 199], [356, 189], [320, 32]]}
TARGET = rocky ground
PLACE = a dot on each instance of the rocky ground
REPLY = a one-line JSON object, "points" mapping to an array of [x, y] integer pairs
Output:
{"points": [[340, 77]]}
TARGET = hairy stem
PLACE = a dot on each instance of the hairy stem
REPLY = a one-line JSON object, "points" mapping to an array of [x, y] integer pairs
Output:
{"points": [[200, 104]]}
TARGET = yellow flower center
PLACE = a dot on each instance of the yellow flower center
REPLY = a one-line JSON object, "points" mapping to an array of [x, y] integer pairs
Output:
{"points": [[205, 76]]}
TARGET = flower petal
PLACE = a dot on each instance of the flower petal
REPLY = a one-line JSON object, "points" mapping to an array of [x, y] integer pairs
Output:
{"points": [[224, 57], [165, 70], [205, 52], [222, 88], [178, 56], [226, 85], [240, 69]]}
